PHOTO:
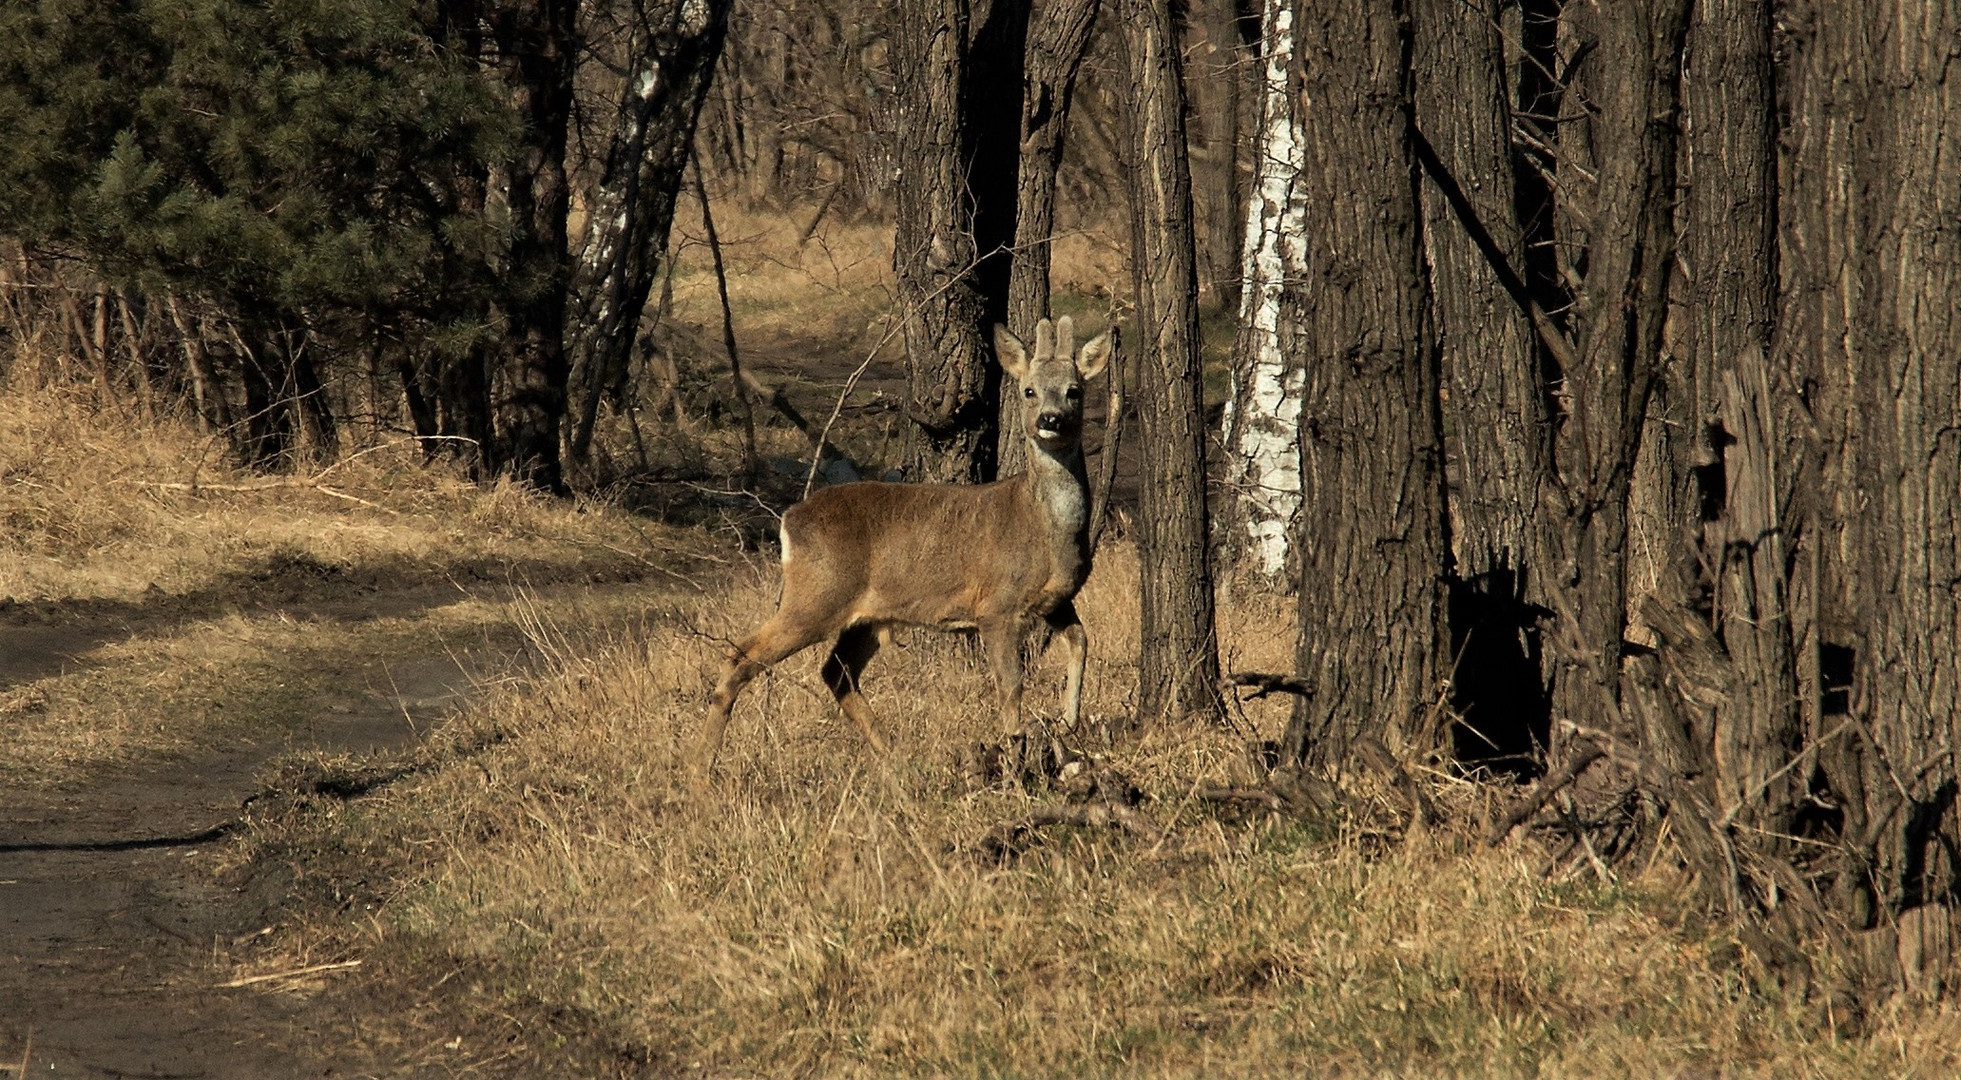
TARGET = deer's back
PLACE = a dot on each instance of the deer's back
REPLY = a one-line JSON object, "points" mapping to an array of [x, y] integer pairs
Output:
{"points": [[926, 554]]}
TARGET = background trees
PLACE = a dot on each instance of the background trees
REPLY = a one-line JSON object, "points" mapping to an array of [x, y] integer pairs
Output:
{"points": [[1686, 393], [1594, 374], [355, 185]]}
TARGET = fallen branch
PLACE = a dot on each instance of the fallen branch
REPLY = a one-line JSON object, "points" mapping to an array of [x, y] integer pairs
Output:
{"points": [[1009, 840], [1549, 785], [250, 980], [820, 446], [1261, 797], [1378, 755], [1264, 684]]}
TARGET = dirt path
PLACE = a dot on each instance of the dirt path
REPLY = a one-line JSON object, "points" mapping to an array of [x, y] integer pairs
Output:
{"points": [[112, 937]]}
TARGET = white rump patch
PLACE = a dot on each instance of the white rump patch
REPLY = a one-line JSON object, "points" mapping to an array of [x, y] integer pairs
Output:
{"points": [[783, 537]]}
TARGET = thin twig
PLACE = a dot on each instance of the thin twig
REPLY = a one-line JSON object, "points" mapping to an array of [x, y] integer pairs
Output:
{"points": [[897, 325], [251, 980], [1112, 438], [850, 384], [1264, 797]]}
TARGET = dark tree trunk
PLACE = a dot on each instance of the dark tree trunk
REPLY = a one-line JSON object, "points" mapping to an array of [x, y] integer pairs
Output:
{"points": [[1875, 127], [1214, 112], [537, 47], [1056, 44], [990, 128], [456, 379], [1495, 417], [956, 137], [1178, 656], [1740, 406], [288, 415], [268, 419], [1372, 549], [1632, 79], [422, 409], [319, 435], [671, 48], [934, 252], [464, 410]]}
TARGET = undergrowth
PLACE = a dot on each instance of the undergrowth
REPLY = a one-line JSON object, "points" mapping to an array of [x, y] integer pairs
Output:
{"points": [[817, 910]]}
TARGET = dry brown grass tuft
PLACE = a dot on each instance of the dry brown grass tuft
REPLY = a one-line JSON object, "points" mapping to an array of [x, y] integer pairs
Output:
{"points": [[97, 505], [153, 598], [818, 911]]}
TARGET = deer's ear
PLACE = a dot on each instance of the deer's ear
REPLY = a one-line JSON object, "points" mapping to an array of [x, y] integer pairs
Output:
{"points": [[1096, 354], [1010, 351]]}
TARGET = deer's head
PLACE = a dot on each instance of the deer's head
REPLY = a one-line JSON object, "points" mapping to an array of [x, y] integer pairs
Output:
{"points": [[1050, 379]]}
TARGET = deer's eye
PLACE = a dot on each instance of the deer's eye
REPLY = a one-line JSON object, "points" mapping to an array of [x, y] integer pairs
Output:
{"points": [[1075, 393], [1028, 391]]}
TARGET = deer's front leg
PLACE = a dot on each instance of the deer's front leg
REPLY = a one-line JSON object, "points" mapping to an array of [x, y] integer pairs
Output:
{"points": [[1075, 644], [1002, 637]]}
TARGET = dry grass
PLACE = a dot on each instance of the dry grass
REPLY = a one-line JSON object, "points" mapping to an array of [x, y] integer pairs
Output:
{"points": [[153, 618], [834, 286], [819, 912], [93, 506]]}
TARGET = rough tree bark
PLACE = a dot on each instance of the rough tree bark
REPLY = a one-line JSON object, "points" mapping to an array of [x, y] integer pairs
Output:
{"points": [[670, 52], [1056, 42], [1213, 112], [956, 196], [1878, 241], [1263, 408], [1742, 410], [536, 44], [1632, 81], [1178, 657], [1814, 86], [1372, 559], [1495, 414]]}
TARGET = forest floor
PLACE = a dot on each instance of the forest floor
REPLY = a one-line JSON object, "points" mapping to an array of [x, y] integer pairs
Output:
{"points": [[372, 772]]}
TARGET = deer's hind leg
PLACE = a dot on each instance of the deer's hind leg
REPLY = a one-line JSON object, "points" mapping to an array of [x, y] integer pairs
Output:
{"points": [[854, 649], [774, 640]]}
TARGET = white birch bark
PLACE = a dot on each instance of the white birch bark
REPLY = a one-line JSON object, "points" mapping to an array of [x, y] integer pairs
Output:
{"points": [[1263, 409]]}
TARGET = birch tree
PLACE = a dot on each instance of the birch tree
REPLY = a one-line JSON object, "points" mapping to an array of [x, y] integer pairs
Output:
{"points": [[1263, 407], [668, 49]]}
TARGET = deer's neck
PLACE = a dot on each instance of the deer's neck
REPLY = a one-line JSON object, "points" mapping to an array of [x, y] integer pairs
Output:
{"points": [[1058, 481]]}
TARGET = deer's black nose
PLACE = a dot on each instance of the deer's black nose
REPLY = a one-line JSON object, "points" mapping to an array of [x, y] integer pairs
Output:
{"points": [[1049, 421]]}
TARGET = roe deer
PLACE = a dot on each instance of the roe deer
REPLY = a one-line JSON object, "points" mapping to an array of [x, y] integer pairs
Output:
{"points": [[861, 558]]}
